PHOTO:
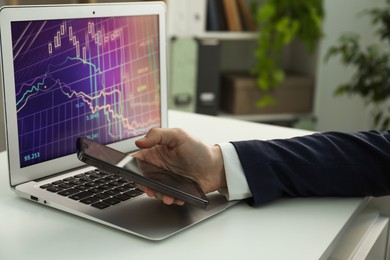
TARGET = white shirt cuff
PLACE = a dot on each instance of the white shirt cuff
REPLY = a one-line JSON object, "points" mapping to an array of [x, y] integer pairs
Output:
{"points": [[237, 185]]}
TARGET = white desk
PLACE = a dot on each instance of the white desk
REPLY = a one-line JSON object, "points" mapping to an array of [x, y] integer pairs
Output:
{"points": [[285, 229]]}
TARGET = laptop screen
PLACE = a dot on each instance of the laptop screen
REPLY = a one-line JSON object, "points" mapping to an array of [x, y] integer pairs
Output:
{"points": [[92, 77]]}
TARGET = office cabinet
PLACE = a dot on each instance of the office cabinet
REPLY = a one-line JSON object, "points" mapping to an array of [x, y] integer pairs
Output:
{"points": [[366, 238]]}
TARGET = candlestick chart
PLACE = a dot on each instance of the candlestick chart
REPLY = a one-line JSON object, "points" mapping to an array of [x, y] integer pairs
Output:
{"points": [[97, 78]]}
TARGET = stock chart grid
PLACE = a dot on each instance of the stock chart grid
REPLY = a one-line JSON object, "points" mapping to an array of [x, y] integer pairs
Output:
{"points": [[97, 78]]}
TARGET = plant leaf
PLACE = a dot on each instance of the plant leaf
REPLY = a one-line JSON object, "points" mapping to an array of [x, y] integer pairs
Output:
{"points": [[265, 101]]}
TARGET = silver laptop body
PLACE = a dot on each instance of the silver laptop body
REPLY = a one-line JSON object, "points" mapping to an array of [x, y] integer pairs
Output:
{"points": [[95, 70]]}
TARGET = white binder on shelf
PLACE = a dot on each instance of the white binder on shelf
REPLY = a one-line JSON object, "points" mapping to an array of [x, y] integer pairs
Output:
{"points": [[186, 18], [183, 74]]}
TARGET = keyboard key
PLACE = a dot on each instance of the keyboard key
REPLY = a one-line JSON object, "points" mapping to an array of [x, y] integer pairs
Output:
{"points": [[130, 185], [123, 197], [100, 205], [81, 195], [100, 181], [69, 179], [102, 196], [45, 186], [58, 182], [134, 193], [122, 181], [77, 182], [112, 192], [68, 192], [80, 175], [115, 183], [105, 187], [66, 185], [55, 189], [111, 177], [111, 201], [82, 187], [102, 174], [86, 179], [94, 175], [96, 190], [91, 184], [89, 172], [89, 200], [122, 189]]}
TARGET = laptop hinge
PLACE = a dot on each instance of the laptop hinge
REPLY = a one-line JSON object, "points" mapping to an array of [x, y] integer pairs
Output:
{"points": [[60, 173]]}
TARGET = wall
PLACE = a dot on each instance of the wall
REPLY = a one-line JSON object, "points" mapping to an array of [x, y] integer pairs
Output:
{"points": [[332, 113], [343, 113]]}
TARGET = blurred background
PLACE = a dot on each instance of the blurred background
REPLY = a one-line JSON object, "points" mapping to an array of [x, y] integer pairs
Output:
{"points": [[276, 62]]}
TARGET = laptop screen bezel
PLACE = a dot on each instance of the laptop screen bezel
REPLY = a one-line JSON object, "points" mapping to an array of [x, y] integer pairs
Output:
{"points": [[9, 14]]}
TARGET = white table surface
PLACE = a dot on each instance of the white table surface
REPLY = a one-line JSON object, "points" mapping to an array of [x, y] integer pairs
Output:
{"points": [[285, 229]]}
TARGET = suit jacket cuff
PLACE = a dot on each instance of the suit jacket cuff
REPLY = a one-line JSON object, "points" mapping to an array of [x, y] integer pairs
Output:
{"points": [[237, 186]]}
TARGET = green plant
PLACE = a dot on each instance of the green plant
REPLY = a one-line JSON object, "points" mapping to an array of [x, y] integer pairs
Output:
{"points": [[280, 22], [371, 79]]}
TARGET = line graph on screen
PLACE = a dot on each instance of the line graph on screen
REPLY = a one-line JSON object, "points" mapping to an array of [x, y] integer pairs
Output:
{"points": [[84, 77]]}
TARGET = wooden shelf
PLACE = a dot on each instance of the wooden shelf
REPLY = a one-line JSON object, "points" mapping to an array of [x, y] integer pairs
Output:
{"points": [[266, 117], [235, 36]]}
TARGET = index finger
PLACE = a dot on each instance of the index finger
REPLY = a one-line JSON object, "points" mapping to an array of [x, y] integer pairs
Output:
{"points": [[168, 200]]}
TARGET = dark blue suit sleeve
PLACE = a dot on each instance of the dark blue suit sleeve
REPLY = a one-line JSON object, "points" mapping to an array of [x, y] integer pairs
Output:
{"points": [[322, 164]]}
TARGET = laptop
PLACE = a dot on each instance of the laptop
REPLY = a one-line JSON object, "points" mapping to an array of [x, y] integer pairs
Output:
{"points": [[93, 70]]}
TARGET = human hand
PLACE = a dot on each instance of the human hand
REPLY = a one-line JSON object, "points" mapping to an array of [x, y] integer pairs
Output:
{"points": [[177, 151]]}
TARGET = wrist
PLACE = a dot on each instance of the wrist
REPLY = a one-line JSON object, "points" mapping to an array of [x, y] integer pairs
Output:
{"points": [[219, 170]]}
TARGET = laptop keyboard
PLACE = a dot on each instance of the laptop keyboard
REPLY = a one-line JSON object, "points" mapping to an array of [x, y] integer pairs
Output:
{"points": [[96, 188]]}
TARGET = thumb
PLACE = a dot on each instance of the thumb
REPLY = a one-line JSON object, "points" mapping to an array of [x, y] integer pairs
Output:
{"points": [[157, 136], [148, 141]]}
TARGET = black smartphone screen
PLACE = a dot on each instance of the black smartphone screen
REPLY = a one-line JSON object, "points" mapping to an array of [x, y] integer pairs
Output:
{"points": [[141, 172]]}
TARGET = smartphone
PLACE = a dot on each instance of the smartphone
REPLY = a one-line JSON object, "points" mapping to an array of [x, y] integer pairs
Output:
{"points": [[140, 172]]}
